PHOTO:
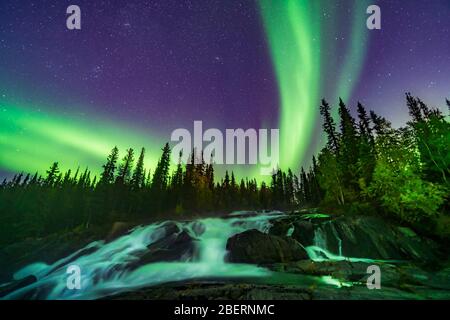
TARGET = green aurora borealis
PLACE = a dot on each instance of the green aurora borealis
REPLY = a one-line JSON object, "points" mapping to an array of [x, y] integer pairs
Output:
{"points": [[31, 140], [297, 37]]}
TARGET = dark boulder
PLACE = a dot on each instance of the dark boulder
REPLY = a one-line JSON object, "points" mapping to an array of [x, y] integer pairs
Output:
{"points": [[117, 230], [255, 247], [304, 232], [280, 227], [176, 244], [175, 247]]}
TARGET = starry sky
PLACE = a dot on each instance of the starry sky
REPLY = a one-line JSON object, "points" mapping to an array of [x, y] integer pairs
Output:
{"points": [[137, 70]]}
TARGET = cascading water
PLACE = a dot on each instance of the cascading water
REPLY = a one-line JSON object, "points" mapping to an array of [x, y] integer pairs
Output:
{"points": [[114, 267], [168, 252], [339, 240], [319, 251]]}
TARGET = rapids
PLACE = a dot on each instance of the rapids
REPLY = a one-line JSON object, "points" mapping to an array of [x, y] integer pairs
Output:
{"points": [[106, 267]]}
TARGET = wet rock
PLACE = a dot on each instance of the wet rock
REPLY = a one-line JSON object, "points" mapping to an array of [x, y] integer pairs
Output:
{"points": [[397, 276], [294, 291], [304, 232], [50, 249], [280, 227], [175, 247], [118, 229], [255, 247], [16, 285], [341, 270], [217, 291], [80, 253], [177, 244], [198, 228], [371, 237]]}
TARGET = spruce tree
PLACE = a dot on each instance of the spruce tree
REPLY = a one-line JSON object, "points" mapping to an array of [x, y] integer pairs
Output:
{"points": [[138, 174], [125, 168], [161, 175], [329, 126], [107, 176], [348, 153], [414, 108], [305, 195], [52, 175], [364, 124], [381, 125], [366, 161]]}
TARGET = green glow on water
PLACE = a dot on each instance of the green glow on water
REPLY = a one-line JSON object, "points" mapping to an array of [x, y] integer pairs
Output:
{"points": [[335, 282]]}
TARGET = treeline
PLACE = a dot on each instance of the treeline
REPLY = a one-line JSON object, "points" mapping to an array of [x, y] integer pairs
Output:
{"points": [[34, 205], [367, 166]]}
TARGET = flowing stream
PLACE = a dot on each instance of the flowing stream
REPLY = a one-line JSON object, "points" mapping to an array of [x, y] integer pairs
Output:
{"points": [[115, 267], [105, 267]]}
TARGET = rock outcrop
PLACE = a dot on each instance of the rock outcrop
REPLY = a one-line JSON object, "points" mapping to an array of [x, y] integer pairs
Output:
{"points": [[360, 237], [176, 244], [255, 247]]}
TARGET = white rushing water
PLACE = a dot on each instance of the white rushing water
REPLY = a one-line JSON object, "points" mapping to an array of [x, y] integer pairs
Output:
{"points": [[106, 267], [113, 267], [319, 251]]}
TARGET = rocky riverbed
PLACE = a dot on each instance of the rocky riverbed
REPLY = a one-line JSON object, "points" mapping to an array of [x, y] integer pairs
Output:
{"points": [[244, 255]]}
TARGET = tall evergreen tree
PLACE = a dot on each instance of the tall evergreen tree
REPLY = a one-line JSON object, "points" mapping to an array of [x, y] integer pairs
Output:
{"points": [[107, 176], [289, 186], [414, 108], [138, 174], [364, 125], [161, 175], [52, 175], [366, 161], [348, 155], [329, 126], [124, 173], [306, 198], [381, 125]]}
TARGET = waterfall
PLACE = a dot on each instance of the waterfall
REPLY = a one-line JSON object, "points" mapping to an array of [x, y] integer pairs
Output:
{"points": [[339, 240], [106, 268], [320, 238], [319, 251]]}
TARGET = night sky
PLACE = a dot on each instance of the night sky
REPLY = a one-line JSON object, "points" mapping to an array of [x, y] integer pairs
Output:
{"points": [[137, 70]]}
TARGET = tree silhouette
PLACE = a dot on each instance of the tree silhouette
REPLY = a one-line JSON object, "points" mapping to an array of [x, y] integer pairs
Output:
{"points": [[125, 167], [365, 167], [138, 174], [329, 126], [109, 168]]}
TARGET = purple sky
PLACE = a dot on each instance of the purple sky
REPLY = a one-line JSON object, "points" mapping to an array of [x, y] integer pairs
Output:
{"points": [[163, 64]]}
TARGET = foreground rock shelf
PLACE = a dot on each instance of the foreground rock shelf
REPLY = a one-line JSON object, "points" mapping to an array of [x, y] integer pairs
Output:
{"points": [[210, 291], [316, 281]]}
